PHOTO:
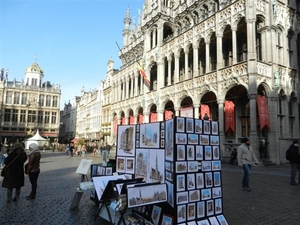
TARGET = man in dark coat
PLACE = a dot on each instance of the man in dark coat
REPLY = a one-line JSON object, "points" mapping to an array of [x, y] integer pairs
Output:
{"points": [[14, 176], [295, 162]]}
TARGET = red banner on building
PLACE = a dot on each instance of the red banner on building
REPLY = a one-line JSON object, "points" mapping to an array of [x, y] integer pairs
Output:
{"points": [[115, 125], [204, 111], [141, 119], [168, 115], [153, 117], [131, 120], [263, 111], [229, 116]]}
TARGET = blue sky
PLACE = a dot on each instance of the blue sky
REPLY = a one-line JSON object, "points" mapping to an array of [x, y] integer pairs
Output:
{"points": [[72, 39]]}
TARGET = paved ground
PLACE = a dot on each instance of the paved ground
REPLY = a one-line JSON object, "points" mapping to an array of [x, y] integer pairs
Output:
{"points": [[271, 201]]}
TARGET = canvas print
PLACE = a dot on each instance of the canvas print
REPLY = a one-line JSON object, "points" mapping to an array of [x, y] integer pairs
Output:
{"points": [[200, 210], [217, 179], [204, 139], [126, 140], [189, 125], [208, 179], [217, 192], [129, 165], [210, 207], [194, 196], [169, 140], [180, 124], [199, 152], [181, 139], [198, 126], [120, 164], [149, 135], [206, 126], [214, 140], [213, 220], [205, 194], [190, 152], [216, 165], [181, 167], [218, 206], [182, 197], [216, 152], [170, 197], [156, 166], [207, 153], [180, 152], [191, 183], [199, 180], [155, 215], [141, 160], [214, 128], [166, 220], [222, 220], [191, 211], [180, 181], [181, 213], [146, 195], [206, 166], [192, 166], [193, 139]]}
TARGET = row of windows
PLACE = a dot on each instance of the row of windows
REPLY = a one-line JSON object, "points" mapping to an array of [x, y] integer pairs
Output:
{"points": [[15, 115], [18, 98]]}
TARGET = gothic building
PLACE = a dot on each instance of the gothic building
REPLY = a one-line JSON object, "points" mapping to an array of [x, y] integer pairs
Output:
{"points": [[235, 62], [28, 105]]}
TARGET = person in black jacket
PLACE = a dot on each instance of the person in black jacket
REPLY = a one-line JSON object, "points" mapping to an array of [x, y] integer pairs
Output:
{"points": [[295, 162], [14, 176]]}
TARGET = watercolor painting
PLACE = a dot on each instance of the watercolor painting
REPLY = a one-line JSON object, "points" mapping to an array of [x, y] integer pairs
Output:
{"points": [[149, 135], [126, 140]]}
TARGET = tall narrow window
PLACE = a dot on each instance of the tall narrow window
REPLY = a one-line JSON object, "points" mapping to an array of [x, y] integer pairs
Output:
{"points": [[41, 100], [47, 117], [53, 118], [54, 101], [23, 116], [40, 116], [17, 98], [48, 100], [15, 115], [8, 97], [31, 116], [24, 99], [7, 115]]}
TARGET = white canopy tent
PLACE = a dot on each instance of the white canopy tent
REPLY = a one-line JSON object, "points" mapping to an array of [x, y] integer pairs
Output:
{"points": [[37, 138]]}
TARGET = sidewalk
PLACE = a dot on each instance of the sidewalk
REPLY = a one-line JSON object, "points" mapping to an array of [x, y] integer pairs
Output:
{"points": [[271, 201]]}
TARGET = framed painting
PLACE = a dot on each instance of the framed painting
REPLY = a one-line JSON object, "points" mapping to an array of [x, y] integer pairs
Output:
{"points": [[180, 181], [180, 152], [218, 206], [216, 165], [156, 167], [181, 139], [108, 171], [191, 184], [214, 128], [168, 166], [166, 219], [200, 210], [169, 176], [149, 135], [199, 152], [129, 165], [141, 162], [206, 126], [181, 213], [208, 180], [205, 194], [182, 197], [192, 166], [191, 211], [189, 125], [169, 140], [120, 164], [180, 124], [198, 126], [181, 167], [217, 192], [217, 179], [222, 220], [126, 140], [206, 166], [190, 152], [155, 215], [204, 139], [193, 139], [210, 208], [214, 140], [170, 198], [199, 180], [216, 152], [194, 195], [207, 153]]}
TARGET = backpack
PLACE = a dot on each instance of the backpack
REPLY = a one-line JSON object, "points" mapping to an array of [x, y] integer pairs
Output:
{"points": [[288, 155]]}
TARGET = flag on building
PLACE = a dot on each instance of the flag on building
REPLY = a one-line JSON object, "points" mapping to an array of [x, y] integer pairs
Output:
{"points": [[143, 74]]}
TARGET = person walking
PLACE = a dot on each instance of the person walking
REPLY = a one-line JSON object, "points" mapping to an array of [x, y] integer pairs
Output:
{"points": [[14, 175], [295, 162], [233, 156], [33, 168], [246, 157]]}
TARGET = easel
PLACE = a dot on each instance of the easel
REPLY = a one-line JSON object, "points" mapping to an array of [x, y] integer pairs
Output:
{"points": [[84, 178]]}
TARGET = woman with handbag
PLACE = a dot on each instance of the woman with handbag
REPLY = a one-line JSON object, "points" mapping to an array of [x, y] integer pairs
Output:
{"points": [[14, 172]]}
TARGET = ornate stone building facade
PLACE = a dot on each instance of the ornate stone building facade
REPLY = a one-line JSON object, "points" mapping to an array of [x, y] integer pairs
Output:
{"points": [[29, 105], [236, 62]]}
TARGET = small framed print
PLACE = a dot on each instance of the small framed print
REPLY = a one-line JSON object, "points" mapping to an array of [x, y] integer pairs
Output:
{"points": [[199, 180], [206, 166], [168, 165], [192, 166], [217, 179], [194, 195], [203, 222], [216, 165], [180, 152], [208, 180], [214, 140], [200, 210], [180, 181], [191, 184], [162, 143], [155, 215], [181, 213], [206, 126], [207, 153], [216, 152], [222, 220], [204, 139], [108, 171], [169, 176], [190, 152], [162, 125], [182, 197], [137, 143], [162, 133], [189, 125], [167, 219], [209, 207], [213, 220], [181, 167], [214, 128], [137, 128], [205, 194], [170, 197], [218, 206], [120, 164], [198, 126], [217, 192], [181, 139], [191, 211], [180, 124], [199, 152], [193, 139], [130, 165]]}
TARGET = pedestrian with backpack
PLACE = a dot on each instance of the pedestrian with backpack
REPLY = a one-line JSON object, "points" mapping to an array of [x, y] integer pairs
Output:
{"points": [[294, 157]]}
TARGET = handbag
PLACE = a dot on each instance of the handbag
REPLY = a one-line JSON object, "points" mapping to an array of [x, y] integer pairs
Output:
{"points": [[3, 171]]}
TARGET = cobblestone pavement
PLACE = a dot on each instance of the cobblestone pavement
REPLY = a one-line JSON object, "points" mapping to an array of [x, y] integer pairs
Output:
{"points": [[271, 201]]}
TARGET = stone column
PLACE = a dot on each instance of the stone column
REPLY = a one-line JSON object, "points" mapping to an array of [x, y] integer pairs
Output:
{"points": [[160, 74], [146, 117], [169, 70], [207, 68], [220, 61], [176, 75], [196, 111], [127, 88], [160, 115], [273, 150], [186, 64], [177, 111], [136, 85], [135, 118], [221, 121], [253, 123], [196, 61], [234, 50]]}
